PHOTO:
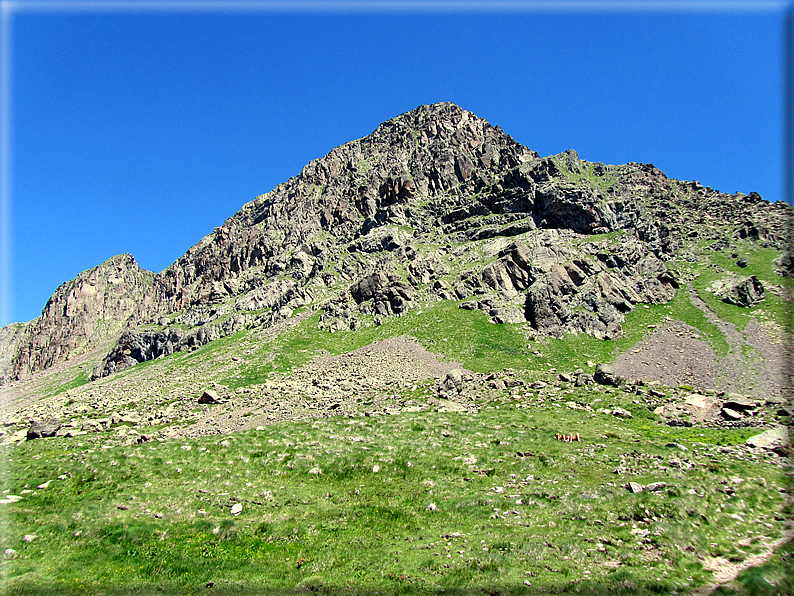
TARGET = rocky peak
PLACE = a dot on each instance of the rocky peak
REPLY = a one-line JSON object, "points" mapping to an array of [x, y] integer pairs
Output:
{"points": [[433, 152], [84, 312], [435, 204]]}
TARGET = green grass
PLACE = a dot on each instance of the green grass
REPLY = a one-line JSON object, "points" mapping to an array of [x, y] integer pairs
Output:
{"points": [[769, 579], [80, 379], [128, 519], [587, 175], [773, 308], [460, 335]]}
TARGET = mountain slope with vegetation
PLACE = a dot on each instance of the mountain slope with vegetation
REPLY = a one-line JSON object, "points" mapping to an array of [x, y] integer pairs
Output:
{"points": [[433, 360]]}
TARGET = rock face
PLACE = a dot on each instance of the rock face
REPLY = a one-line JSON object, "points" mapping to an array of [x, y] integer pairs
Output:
{"points": [[435, 204], [82, 313]]}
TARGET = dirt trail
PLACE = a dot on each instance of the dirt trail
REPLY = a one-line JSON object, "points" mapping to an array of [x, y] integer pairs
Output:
{"points": [[725, 572]]}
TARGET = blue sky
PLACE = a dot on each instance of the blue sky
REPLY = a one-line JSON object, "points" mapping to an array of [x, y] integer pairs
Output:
{"points": [[141, 131]]}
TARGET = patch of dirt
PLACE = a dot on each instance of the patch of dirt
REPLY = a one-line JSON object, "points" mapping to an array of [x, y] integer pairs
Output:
{"points": [[725, 572], [675, 354], [394, 360], [365, 380], [672, 355]]}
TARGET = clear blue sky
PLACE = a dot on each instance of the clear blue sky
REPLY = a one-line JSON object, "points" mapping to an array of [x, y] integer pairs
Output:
{"points": [[141, 132]]}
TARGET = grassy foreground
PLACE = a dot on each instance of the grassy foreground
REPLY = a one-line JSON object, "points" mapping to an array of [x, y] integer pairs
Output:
{"points": [[424, 502]]}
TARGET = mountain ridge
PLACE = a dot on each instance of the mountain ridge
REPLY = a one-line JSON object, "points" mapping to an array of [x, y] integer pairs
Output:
{"points": [[366, 230]]}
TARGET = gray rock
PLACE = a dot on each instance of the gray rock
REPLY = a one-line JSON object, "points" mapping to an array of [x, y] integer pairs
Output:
{"points": [[44, 428], [776, 439], [633, 487], [655, 486], [744, 292], [92, 426], [676, 446], [605, 375], [730, 414], [209, 397], [507, 315], [621, 413], [452, 382], [739, 403]]}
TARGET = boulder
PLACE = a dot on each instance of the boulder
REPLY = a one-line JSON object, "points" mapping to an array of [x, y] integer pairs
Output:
{"points": [[744, 292], [209, 397], [452, 382], [606, 375], [730, 414], [507, 315], [621, 413], [92, 426], [45, 428], [738, 402], [655, 486], [776, 439]]}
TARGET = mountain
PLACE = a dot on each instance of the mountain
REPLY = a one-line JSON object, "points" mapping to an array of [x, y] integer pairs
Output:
{"points": [[433, 361], [434, 204]]}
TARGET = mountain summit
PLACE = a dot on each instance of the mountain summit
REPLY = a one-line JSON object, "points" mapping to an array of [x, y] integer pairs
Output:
{"points": [[435, 204]]}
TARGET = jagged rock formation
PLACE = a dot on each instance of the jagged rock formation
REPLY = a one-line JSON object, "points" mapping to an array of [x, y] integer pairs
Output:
{"points": [[82, 313], [745, 292], [435, 204]]}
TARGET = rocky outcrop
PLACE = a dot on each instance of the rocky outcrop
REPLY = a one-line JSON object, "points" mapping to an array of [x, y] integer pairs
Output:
{"points": [[562, 287], [745, 292], [435, 204], [83, 313], [383, 294], [134, 347]]}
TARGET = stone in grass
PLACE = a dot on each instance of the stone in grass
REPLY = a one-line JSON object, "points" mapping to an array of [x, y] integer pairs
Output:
{"points": [[676, 446], [44, 428], [776, 439], [605, 375], [209, 397], [633, 487], [432, 507], [236, 509], [621, 413], [29, 538], [9, 553], [655, 486]]}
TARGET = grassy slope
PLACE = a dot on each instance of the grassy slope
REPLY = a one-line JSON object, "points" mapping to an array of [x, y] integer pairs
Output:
{"points": [[350, 529], [575, 526]]}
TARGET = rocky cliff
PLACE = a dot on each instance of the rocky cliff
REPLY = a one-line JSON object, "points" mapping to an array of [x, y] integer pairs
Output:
{"points": [[83, 313], [435, 204]]}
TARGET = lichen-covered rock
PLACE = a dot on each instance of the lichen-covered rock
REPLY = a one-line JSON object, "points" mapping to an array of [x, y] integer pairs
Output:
{"points": [[44, 428], [745, 292], [776, 439]]}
